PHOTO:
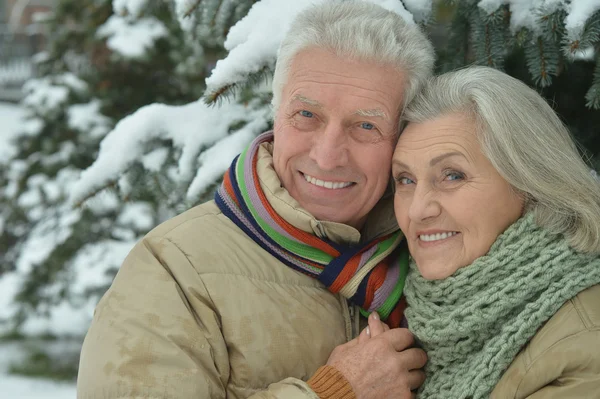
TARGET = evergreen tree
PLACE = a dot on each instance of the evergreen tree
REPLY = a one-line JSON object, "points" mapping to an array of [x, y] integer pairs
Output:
{"points": [[93, 74]]}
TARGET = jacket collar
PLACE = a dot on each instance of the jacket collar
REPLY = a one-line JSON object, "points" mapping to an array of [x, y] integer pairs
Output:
{"points": [[380, 221]]}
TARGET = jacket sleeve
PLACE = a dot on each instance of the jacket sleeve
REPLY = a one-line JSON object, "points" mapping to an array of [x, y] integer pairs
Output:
{"points": [[326, 383], [156, 334], [568, 369]]}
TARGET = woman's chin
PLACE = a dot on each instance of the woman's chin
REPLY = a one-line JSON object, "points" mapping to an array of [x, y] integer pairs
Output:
{"points": [[436, 270]]}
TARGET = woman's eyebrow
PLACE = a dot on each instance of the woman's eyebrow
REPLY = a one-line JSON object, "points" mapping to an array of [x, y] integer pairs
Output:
{"points": [[433, 161], [440, 158], [400, 164]]}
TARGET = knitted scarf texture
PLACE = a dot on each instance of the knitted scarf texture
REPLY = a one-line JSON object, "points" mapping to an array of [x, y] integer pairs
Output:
{"points": [[473, 323], [370, 275]]}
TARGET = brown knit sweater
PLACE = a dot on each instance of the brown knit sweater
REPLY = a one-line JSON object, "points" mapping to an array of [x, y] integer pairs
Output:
{"points": [[329, 383]]}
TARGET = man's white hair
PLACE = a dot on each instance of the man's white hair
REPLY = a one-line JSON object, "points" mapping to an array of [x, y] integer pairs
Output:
{"points": [[528, 145], [360, 31]]}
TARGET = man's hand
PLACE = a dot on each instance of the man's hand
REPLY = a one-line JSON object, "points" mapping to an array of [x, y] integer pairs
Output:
{"points": [[380, 363]]}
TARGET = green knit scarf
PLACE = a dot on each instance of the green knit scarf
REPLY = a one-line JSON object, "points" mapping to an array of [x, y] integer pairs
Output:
{"points": [[474, 323]]}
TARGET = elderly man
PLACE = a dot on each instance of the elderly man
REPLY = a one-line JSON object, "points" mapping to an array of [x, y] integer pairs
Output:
{"points": [[257, 294]]}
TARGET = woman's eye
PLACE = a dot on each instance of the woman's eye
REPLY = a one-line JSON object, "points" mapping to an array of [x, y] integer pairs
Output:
{"points": [[452, 176], [403, 180], [367, 126], [306, 114]]}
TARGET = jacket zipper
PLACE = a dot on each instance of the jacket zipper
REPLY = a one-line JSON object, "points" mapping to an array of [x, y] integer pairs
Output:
{"points": [[348, 312], [353, 320]]}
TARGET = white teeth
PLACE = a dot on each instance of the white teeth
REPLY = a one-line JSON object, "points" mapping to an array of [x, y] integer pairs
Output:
{"points": [[437, 237], [326, 184]]}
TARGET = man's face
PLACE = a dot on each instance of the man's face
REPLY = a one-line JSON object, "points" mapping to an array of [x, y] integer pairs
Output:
{"points": [[335, 133]]}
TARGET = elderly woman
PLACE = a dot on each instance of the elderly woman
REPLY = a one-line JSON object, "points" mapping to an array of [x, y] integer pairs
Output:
{"points": [[502, 218]]}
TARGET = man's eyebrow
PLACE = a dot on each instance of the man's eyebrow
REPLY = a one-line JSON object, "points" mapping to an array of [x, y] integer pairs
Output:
{"points": [[307, 100], [376, 112]]}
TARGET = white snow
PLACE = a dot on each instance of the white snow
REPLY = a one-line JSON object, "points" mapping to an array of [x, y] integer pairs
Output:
{"points": [[588, 54], [66, 150], [43, 95], [129, 7], [32, 126], [215, 161], [46, 235], [88, 118], [251, 49], [527, 13], [154, 160], [11, 120], [47, 94], [88, 270], [191, 128], [18, 387], [183, 9], [9, 286], [131, 40], [580, 11], [420, 9], [138, 215]]}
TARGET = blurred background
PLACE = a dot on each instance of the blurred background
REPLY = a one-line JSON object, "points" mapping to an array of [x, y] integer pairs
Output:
{"points": [[116, 115]]}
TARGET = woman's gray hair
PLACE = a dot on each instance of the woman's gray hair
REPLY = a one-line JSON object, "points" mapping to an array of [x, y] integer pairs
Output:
{"points": [[360, 31], [528, 145]]}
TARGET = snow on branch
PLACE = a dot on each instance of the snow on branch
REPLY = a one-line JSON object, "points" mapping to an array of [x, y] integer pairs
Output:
{"points": [[526, 14], [134, 8], [422, 10], [191, 128], [131, 40], [217, 159], [184, 10], [88, 118], [253, 42], [579, 12]]}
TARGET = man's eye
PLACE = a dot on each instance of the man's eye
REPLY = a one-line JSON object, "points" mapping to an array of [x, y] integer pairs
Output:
{"points": [[306, 114], [367, 126]]}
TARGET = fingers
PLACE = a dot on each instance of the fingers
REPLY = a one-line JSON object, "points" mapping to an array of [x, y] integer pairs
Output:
{"points": [[364, 336], [416, 378], [413, 358], [399, 338], [376, 325]]}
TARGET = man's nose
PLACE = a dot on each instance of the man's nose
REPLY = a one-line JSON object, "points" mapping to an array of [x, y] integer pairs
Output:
{"points": [[329, 148], [425, 204]]}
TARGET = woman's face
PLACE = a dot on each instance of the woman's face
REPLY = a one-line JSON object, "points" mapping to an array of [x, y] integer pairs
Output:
{"points": [[450, 201]]}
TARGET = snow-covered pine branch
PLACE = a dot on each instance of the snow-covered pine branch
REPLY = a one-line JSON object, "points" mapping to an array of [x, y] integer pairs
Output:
{"points": [[191, 129]]}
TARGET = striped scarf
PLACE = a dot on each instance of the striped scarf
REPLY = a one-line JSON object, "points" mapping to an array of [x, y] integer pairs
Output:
{"points": [[370, 275]]}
